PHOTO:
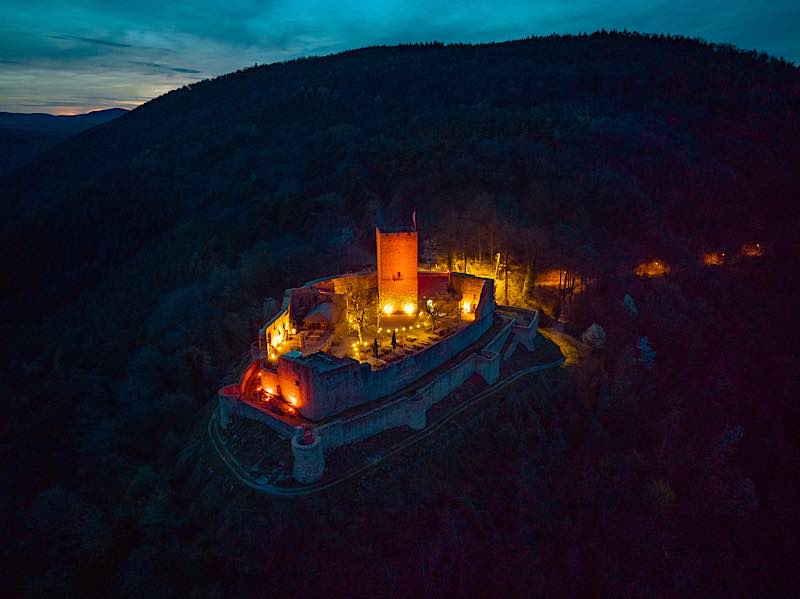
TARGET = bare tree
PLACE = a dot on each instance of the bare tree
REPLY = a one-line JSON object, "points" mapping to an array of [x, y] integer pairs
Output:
{"points": [[440, 306], [361, 303]]}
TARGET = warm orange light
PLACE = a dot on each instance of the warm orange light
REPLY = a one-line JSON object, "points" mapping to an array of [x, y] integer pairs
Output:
{"points": [[466, 306], [277, 338], [713, 258], [752, 249], [651, 269], [409, 308], [388, 308]]}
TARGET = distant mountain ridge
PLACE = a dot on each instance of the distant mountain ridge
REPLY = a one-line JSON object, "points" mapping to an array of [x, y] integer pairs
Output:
{"points": [[24, 137], [73, 123]]}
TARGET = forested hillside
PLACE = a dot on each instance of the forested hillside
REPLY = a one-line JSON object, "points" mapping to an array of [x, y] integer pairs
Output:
{"points": [[136, 258]]}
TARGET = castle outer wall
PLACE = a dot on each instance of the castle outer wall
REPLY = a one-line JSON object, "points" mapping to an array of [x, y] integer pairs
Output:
{"points": [[319, 390]]}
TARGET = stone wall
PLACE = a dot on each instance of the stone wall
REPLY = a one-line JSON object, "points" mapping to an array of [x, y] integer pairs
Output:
{"points": [[236, 406], [410, 410], [469, 287], [497, 342], [431, 283], [276, 330]]}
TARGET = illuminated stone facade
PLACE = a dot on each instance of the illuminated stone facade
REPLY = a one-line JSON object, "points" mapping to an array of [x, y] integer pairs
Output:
{"points": [[320, 391], [398, 290]]}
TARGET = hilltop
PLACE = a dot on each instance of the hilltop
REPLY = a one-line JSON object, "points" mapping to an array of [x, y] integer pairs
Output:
{"points": [[137, 256]]}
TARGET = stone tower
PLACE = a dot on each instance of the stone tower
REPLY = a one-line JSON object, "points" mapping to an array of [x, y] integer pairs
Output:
{"points": [[397, 271]]}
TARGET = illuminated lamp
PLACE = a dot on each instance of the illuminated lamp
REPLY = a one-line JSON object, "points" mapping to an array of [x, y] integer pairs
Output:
{"points": [[409, 309], [388, 309], [466, 306]]}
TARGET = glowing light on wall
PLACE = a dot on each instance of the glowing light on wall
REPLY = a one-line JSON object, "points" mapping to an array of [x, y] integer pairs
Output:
{"points": [[466, 306], [388, 308], [409, 308]]}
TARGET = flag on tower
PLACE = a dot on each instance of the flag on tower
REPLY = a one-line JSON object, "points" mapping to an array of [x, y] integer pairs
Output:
{"points": [[414, 219]]}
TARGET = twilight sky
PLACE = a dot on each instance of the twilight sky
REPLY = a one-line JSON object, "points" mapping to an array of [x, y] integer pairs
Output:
{"points": [[78, 55]]}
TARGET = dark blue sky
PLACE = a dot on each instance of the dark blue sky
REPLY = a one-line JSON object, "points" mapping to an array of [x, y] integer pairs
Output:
{"points": [[67, 57]]}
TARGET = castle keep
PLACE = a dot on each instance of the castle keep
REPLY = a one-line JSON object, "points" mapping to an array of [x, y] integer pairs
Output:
{"points": [[397, 271]]}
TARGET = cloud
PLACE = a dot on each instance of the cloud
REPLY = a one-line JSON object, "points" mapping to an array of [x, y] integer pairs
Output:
{"points": [[161, 67], [90, 40]]}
